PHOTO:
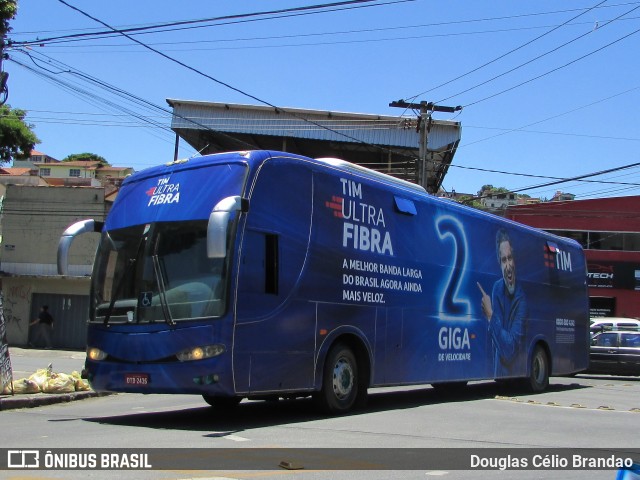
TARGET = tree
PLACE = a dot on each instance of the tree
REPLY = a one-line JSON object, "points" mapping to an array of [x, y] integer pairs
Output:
{"points": [[85, 157], [8, 10], [16, 137]]}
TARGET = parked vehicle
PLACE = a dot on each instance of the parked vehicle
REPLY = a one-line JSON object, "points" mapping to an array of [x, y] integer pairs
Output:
{"points": [[615, 353], [604, 324]]}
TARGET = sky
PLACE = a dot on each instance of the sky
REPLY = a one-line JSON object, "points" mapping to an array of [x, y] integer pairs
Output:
{"points": [[550, 90]]}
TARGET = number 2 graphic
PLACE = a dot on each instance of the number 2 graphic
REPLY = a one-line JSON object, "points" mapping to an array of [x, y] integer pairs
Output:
{"points": [[453, 305]]}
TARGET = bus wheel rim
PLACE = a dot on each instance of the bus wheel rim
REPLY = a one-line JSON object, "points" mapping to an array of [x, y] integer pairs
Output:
{"points": [[538, 369], [342, 379]]}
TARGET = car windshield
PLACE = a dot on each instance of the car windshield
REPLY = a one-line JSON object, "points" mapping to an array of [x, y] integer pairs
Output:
{"points": [[157, 273]]}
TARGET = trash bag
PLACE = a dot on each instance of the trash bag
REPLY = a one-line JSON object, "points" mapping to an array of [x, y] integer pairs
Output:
{"points": [[24, 385], [81, 384], [60, 383], [41, 377]]}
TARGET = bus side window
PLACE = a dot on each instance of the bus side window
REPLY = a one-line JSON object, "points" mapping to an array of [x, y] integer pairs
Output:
{"points": [[271, 260], [261, 263]]}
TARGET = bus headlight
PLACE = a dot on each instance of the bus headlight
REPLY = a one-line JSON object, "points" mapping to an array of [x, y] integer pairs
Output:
{"points": [[96, 354], [201, 353]]}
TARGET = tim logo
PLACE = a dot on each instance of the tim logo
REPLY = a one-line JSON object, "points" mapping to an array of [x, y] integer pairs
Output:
{"points": [[23, 459], [556, 258], [336, 205], [163, 193]]}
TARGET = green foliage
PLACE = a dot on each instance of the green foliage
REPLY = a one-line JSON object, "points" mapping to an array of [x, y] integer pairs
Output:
{"points": [[85, 157], [8, 10], [470, 201], [16, 137]]}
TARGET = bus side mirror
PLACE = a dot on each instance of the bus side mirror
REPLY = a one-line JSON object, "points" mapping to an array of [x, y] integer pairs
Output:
{"points": [[219, 222], [78, 228]]}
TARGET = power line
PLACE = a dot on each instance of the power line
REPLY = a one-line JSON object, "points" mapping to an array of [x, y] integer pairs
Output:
{"points": [[554, 70], [561, 179], [122, 48], [433, 24], [52, 76], [230, 19], [579, 177], [537, 58], [553, 117], [222, 83], [565, 134], [400, 164], [238, 90], [520, 47]]}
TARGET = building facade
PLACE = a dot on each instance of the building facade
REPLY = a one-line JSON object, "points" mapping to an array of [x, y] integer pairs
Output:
{"points": [[609, 231], [32, 220]]}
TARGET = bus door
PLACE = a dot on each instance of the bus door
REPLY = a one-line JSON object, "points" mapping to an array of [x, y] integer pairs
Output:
{"points": [[274, 329]]}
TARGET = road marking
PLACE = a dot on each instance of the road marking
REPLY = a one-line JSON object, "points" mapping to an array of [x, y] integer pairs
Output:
{"points": [[437, 473], [236, 438]]}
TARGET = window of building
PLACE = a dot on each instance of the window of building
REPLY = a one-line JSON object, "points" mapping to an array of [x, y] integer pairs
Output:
{"points": [[605, 241], [74, 172], [45, 172], [621, 241]]}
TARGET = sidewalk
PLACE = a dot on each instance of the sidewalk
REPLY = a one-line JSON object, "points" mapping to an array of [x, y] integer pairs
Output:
{"points": [[25, 361]]}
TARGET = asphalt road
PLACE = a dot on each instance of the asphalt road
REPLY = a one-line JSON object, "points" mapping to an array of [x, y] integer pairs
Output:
{"points": [[579, 412]]}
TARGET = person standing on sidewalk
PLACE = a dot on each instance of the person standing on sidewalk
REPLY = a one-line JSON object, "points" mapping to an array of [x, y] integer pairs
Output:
{"points": [[44, 327]]}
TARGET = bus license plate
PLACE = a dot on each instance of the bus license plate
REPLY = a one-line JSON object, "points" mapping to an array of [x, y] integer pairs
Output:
{"points": [[136, 378]]}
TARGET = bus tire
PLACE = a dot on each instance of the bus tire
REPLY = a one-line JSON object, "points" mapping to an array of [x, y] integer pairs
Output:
{"points": [[224, 404], [340, 381], [538, 379]]}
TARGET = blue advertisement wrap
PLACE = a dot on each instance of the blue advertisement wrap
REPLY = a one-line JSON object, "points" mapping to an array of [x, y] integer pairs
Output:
{"points": [[170, 194], [460, 294], [420, 289]]}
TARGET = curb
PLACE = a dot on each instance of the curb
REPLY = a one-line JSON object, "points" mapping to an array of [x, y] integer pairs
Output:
{"points": [[40, 399]]}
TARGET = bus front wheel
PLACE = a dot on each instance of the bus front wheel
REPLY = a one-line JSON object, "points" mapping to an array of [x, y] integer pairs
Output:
{"points": [[538, 379], [340, 381]]}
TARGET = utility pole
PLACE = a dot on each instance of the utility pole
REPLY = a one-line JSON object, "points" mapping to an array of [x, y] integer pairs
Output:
{"points": [[8, 10], [4, 76], [426, 168]]}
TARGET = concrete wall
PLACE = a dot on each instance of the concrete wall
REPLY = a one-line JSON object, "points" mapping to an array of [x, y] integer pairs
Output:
{"points": [[34, 217], [18, 294]]}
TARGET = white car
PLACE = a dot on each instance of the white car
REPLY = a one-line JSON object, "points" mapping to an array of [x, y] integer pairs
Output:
{"points": [[603, 324]]}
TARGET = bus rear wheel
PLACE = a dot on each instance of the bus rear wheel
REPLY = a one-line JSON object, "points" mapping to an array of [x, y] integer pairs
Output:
{"points": [[224, 404], [538, 379], [340, 381]]}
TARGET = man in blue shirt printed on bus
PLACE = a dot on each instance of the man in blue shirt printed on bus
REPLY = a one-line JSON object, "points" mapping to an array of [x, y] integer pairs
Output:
{"points": [[506, 311]]}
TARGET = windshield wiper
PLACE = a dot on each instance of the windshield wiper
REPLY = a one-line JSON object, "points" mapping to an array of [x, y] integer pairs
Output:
{"points": [[162, 295]]}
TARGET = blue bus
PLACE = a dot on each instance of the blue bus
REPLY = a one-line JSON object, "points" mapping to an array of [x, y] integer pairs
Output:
{"points": [[265, 274]]}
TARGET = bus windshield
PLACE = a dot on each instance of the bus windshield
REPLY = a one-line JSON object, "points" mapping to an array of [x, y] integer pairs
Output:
{"points": [[157, 272]]}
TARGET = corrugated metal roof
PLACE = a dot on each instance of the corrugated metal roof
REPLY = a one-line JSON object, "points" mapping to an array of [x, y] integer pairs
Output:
{"points": [[385, 143], [331, 126]]}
